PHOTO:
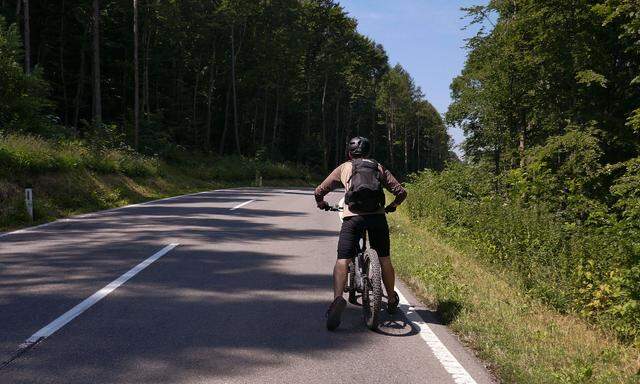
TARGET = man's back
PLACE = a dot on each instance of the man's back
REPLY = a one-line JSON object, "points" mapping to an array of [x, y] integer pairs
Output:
{"points": [[341, 177]]}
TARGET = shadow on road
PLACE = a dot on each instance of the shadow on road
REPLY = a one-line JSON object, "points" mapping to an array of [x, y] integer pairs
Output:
{"points": [[196, 311], [207, 306]]}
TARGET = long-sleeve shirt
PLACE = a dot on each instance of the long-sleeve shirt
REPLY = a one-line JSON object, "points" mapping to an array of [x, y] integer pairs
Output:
{"points": [[340, 178]]}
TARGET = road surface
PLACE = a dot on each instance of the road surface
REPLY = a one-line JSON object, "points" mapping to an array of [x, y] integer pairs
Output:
{"points": [[227, 286]]}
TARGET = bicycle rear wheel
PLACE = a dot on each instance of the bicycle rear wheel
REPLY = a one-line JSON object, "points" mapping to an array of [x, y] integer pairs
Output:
{"points": [[372, 292]]}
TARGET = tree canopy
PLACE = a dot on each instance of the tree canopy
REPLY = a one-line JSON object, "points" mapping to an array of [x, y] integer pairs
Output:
{"points": [[290, 78], [546, 68]]}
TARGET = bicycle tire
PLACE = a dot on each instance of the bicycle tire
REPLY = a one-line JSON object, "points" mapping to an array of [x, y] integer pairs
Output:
{"points": [[372, 295]]}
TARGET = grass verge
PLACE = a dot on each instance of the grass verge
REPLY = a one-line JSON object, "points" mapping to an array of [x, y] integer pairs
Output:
{"points": [[70, 178], [66, 194], [523, 340]]}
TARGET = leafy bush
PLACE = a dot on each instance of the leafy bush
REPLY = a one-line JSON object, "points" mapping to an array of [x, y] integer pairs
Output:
{"points": [[574, 251], [23, 99]]}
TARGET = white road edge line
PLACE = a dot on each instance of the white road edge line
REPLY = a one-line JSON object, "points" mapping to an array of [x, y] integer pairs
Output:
{"points": [[446, 358], [242, 205], [74, 312]]}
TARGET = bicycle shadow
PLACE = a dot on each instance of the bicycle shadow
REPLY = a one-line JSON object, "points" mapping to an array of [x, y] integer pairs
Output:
{"points": [[396, 325]]}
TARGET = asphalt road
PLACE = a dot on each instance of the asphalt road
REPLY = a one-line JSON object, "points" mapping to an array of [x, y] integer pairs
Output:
{"points": [[241, 299]]}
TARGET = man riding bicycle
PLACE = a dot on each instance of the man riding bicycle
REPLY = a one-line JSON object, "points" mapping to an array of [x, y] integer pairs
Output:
{"points": [[363, 179]]}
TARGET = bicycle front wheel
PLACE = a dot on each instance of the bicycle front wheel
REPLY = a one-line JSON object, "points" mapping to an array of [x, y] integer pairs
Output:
{"points": [[372, 292]]}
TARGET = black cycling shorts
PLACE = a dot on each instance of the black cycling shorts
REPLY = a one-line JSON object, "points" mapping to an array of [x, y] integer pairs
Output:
{"points": [[352, 229]]}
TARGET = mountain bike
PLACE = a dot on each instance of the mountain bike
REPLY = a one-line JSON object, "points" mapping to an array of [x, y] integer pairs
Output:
{"points": [[364, 279]]}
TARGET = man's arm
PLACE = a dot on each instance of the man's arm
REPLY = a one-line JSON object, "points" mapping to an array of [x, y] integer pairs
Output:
{"points": [[393, 186], [329, 184]]}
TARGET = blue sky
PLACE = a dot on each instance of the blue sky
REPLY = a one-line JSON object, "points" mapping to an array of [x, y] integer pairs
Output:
{"points": [[424, 36]]}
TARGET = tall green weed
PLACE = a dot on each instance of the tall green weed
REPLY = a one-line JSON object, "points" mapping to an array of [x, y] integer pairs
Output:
{"points": [[573, 251], [26, 154]]}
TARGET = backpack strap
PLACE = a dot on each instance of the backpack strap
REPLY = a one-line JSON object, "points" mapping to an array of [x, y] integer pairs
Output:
{"points": [[353, 170]]}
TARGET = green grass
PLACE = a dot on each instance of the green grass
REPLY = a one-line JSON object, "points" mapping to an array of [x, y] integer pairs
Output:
{"points": [[70, 178], [523, 340], [24, 154]]}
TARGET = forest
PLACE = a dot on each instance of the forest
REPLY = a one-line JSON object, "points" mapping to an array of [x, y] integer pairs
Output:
{"points": [[549, 101], [288, 80]]}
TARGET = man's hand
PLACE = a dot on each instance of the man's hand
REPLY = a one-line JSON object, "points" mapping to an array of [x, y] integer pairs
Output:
{"points": [[323, 205], [390, 208]]}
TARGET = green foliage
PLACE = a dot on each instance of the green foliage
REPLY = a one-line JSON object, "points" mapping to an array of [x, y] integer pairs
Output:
{"points": [[22, 96], [32, 155], [292, 77], [548, 99], [25, 154], [544, 68], [563, 250], [523, 340]]}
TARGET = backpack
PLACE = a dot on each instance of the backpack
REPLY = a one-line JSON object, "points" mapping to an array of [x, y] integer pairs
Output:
{"points": [[365, 192]]}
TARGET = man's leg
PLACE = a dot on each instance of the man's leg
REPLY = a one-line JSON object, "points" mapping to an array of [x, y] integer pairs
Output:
{"points": [[388, 274], [346, 247], [340, 276], [350, 232]]}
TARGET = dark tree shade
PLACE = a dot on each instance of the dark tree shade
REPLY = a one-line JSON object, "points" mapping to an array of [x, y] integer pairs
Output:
{"points": [[291, 77]]}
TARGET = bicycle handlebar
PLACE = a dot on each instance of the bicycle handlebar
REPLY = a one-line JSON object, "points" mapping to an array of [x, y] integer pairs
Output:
{"points": [[337, 208]]}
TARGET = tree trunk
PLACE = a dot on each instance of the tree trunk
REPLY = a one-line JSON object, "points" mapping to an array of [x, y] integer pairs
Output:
{"points": [[212, 81], [264, 118], [145, 82], [390, 130], [338, 133], [308, 119], [521, 147], [18, 9], [76, 115], [419, 139], [406, 149], [62, 71], [275, 119], [348, 130], [136, 79], [124, 87], [372, 129], [254, 123], [146, 39], [194, 114], [226, 122], [157, 96], [235, 95], [97, 94], [325, 154], [180, 89], [27, 38], [144, 102]]}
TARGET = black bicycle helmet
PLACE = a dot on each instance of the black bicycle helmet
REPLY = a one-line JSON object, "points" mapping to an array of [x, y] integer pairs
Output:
{"points": [[358, 147]]}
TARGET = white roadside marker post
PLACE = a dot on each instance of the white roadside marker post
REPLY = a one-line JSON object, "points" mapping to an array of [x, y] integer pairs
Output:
{"points": [[28, 200]]}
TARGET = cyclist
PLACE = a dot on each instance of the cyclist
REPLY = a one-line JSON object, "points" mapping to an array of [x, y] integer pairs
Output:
{"points": [[355, 222]]}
